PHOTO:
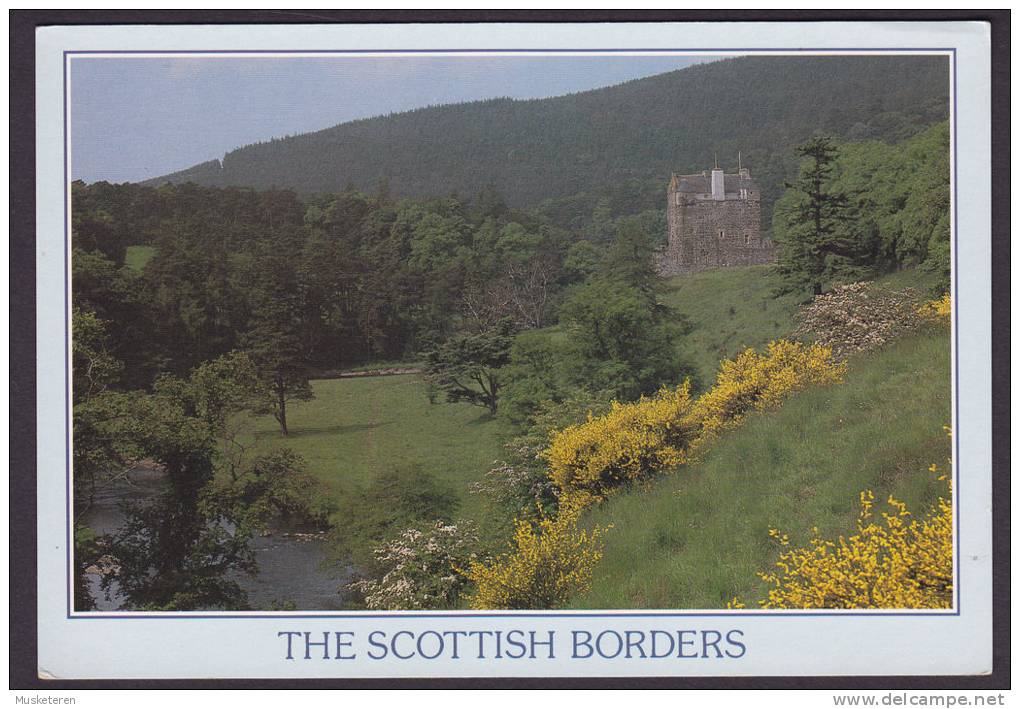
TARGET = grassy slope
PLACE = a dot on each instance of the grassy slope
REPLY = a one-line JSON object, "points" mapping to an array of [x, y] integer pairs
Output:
{"points": [[730, 309], [735, 308], [356, 428], [703, 531]]}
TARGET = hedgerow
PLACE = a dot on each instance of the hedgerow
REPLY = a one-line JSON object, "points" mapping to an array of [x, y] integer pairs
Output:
{"points": [[937, 310], [552, 559], [899, 563]]}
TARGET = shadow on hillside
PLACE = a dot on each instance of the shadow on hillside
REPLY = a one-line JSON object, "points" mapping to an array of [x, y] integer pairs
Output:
{"points": [[336, 430], [480, 420]]}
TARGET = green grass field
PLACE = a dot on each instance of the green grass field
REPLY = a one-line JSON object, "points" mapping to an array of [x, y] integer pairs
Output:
{"points": [[356, 428], [696, 538], [730, 309]]}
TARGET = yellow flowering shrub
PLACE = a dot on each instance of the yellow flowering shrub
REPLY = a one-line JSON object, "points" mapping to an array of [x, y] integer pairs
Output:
{"points": [[753, 381], [634, 440], [550, 562], [898, 562], [622, 445], [936, 310]]}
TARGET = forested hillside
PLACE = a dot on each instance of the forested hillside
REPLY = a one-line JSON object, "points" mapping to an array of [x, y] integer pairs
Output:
{"points": [[625, 139]]}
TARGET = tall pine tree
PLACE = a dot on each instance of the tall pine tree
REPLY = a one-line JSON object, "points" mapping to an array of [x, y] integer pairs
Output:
{"points": [[812, 228], [277, 334]]}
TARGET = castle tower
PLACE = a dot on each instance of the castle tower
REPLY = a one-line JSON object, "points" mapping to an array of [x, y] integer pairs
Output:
{"points": [[714, 220]]}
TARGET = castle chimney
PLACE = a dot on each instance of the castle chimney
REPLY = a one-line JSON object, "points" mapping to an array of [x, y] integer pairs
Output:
{"points": [[718, 184]]}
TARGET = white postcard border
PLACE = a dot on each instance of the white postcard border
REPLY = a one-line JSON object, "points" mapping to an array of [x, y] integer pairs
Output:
{"points": [[249, 645]]}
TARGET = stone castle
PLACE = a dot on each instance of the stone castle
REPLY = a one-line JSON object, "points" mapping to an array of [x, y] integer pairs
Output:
{"points": [[714, 220]]}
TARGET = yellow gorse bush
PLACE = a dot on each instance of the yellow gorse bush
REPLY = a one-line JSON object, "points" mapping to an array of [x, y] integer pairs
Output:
{"points": [[660, 432], [755, 381], [550, 562], [936, 310], [897, 562], [623, 444]]}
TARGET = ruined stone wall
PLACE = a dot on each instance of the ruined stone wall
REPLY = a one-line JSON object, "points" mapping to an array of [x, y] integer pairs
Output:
{"points": [[706, 233]]}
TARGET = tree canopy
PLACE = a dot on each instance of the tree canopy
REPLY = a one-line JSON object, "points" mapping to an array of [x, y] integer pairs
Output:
{"points": [[860, 209]]}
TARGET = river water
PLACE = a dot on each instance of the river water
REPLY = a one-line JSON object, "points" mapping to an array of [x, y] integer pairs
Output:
{"points": [[290, 558]]}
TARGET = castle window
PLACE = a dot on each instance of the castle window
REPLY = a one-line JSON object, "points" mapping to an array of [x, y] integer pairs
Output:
{"points": [[747, 239], [722, 234]]}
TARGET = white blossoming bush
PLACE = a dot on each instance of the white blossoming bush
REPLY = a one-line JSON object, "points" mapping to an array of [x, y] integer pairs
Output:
{"points": [[519, 483], [858, 316], [420, 568]]}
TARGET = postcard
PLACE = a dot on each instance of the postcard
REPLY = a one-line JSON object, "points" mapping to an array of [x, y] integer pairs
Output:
{"points": [[514, 350]]}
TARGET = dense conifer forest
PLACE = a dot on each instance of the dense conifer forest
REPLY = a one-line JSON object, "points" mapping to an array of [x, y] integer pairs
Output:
{"points": [[622, 139]]}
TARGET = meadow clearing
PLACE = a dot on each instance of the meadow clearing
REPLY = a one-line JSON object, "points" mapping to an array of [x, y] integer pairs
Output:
{"points": [[357, 428]]}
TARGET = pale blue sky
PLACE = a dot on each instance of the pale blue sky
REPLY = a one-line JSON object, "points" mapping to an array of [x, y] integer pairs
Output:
{"points": [[136, 118]]}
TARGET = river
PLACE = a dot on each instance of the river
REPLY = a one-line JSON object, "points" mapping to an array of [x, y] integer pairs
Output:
{"points": [[290, 558]]}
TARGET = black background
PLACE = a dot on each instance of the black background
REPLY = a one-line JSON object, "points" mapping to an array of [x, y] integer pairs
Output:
{"points": [[23, 630]]}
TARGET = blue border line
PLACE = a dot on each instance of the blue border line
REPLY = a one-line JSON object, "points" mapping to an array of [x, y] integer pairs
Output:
{"points": [[400, 615], [956, 339], [68, 440], [460, 50], [410, 615]]}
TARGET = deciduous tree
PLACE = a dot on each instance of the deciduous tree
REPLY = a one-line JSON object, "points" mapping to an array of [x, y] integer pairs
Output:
{"points": [[467, 366]]}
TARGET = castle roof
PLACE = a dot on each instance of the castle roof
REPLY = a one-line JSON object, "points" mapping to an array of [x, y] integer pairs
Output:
{"points": [[702, 183]]}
